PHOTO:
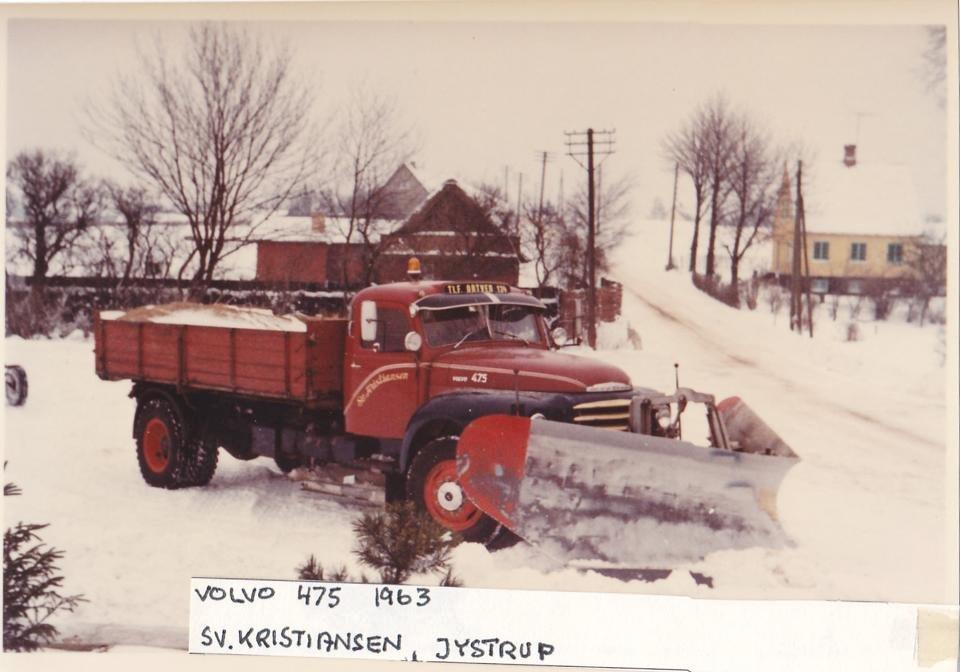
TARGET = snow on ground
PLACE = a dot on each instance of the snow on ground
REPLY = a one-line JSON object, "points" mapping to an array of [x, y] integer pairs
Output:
{"points": [[865, 507]]}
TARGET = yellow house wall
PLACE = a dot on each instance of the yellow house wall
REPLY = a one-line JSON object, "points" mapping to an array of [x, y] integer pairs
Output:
{"points": [[839, 264]]}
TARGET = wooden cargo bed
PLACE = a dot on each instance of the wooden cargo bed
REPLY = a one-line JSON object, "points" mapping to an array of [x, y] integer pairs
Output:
{"points": [[298, 365]]}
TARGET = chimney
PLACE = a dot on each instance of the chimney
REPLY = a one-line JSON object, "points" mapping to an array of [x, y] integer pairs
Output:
{"points": [[317, 222], [849, 155]]}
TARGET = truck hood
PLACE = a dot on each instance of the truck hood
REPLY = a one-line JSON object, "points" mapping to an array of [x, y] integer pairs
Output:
{"points": [[539, 370]]}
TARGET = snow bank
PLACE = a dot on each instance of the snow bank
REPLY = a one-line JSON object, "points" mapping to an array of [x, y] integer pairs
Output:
{"points": [[201, 315], [613, 335]]}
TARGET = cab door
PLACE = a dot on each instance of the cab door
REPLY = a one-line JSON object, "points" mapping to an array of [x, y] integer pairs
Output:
{"points": [[380, 375]]}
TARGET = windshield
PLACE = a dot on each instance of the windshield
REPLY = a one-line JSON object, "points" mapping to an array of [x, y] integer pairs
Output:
{"points": [[494, 322]]}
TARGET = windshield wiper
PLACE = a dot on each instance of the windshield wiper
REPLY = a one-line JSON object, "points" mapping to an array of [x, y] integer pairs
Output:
{"points": [[512, 335], [468, 335]]}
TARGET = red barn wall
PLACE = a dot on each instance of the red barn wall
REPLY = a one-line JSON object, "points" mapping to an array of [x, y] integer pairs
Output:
{"points": [[291, 262]]}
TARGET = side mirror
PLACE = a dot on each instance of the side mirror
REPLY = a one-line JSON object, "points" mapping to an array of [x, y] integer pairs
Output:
{"points": [[412, 341], [368, 321], [559, 336]]}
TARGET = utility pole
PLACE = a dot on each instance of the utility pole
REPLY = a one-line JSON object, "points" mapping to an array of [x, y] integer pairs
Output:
{"points": [[673, 213], [800, 271], [802, 217], [519, 196], [543, 177], [576, 141], [560, 196]]}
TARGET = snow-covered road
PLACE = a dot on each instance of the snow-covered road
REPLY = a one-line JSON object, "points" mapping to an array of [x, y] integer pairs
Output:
{"points": [[866, 505]]}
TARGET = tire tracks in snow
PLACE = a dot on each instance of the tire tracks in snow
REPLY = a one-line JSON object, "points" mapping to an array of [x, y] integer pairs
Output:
{"points": [[811, 394]]}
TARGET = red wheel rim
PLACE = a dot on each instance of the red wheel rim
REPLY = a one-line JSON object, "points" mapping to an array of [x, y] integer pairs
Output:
{"points": [[156, 445], [445, 500]]}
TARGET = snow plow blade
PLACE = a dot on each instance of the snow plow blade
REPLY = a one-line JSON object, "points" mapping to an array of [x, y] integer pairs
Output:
{"points": [[588, 494]]}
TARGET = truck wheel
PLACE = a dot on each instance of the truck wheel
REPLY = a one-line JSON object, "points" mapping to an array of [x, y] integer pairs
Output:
{"points": [[287, 462], [200, 462], [16, 383], [432, 486], [167, 456]]}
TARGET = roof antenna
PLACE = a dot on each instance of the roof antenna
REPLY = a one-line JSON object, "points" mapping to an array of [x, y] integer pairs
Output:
{"points": [[676, 375]]}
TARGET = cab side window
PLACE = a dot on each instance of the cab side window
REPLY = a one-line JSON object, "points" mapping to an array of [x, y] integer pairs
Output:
{"points": [[392, 327]]}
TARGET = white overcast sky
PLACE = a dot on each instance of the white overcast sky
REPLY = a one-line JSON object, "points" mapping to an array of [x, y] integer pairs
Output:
{"points": [[488, 95]]}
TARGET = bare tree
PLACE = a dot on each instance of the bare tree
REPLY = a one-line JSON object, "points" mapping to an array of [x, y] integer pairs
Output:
{"points": [[933, 69], [137, 212], [753, 185], [220, 128], [687, 148], [718, 143], [369, 143], [927, 260], [545, 232], [613, 209], [494, 204], [58, 205]]}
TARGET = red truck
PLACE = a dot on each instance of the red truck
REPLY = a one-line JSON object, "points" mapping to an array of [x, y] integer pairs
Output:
{"points": [[393, 386], [412, 366]]}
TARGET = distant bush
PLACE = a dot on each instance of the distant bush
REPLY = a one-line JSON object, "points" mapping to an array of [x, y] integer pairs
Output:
{"points": [[750, 293], [31, 314], [853, 332], [882, 297], [31, 585], [833, 307], [715, 287], [775, 297]]}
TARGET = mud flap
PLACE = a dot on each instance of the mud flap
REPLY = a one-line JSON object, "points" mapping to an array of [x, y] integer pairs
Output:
{"points": [[586, 494]]}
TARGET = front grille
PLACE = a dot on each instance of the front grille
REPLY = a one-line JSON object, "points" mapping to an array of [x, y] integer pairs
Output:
{"points": [[605, 414]]}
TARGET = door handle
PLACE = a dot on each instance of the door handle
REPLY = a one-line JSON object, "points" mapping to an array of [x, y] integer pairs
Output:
{"points": [[354, 365]]}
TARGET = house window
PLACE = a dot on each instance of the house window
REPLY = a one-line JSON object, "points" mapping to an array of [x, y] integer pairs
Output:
{"points": [[821, 250], [854, 287], [858, 251], [895, 253], [820, 285]]}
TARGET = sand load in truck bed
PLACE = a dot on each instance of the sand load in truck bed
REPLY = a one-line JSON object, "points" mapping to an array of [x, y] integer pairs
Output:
{"points": [[201, 315], [248, 351]]}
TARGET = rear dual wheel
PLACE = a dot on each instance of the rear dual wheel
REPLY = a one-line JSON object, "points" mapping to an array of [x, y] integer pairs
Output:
{"points": [[168, 454], [432, 485]]}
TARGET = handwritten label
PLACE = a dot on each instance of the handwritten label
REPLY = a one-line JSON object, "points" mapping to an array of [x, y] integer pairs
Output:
{"points": [[617, 630]]}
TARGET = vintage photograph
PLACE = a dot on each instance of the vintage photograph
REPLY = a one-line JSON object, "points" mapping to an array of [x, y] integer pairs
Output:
{"points": [[633, 306]]}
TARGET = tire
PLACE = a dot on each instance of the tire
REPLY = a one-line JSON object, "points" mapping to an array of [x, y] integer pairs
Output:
{"points": [[287, 462], [432, 487], [168, 455], [200, 464], [15, 379]]}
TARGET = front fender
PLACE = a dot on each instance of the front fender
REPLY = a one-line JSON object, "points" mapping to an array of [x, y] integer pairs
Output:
{"points": [[451, 412]]}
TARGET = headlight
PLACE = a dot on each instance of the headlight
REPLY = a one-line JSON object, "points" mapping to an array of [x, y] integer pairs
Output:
{"points": [[610, 387]]}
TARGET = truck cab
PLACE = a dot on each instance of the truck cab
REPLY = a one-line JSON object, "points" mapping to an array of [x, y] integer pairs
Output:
{"points": [[422, 359]]}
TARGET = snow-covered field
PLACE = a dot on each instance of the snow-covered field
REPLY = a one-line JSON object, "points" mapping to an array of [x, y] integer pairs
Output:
{"points": [[866, 507]]}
